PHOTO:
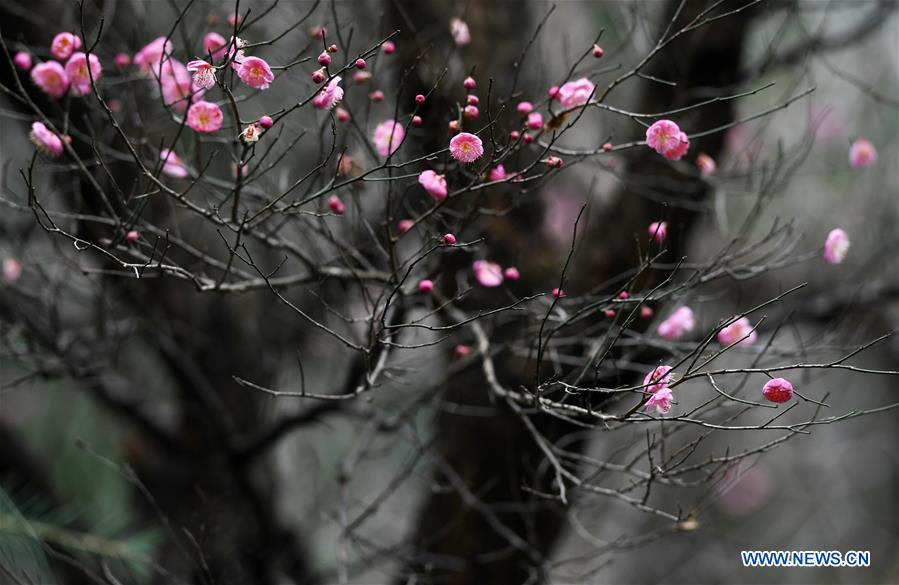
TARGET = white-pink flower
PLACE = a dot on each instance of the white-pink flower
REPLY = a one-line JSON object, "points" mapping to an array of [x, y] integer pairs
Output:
{"points": [[836, 246], [64, 44], [46, 141], [657, 379], [203, 73], [666, 138], [862, 153], [460, 32], [466, 147], [51, 78], [255, 72], [329, 96], [172, 165], [388, 136], [488, 274], [661, 400], [575, 93], [78, 74], [680, 322], [740, 331], [204, 117], [434, 184]]}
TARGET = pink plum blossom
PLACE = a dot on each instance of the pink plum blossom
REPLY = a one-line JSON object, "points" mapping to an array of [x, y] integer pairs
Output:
{"points": [[706, 164], [417, 121], [214, 45], [344, 116], [525, 108], [22, 61], [122, 60], [251, 134], [461, 351], [12, 270], [471, 112], [488, 274], [151, 55], [172, 165], [511, 273], [576, 93], [236, 53], [448, 239], [862, 153], [203, 73], [177, 85], [388, 47], [388, 136], [597, 51], [434, 184], [78, 74], [657, 379], [778, 390], [361, 77], [319, 75], [666, 138], [46, 141], [740, 331], [256, 73], [460, 32], [51, 78], [658, 231], [466, 147], [404, 225], [64, 44], [329, 96], [558, 293], [266, 122], [204, 117], [679, 323], [360, 63], [535, 121], [426, 286], [661, 400], [336, 206], [376, 96], [497, 173], [836, 246]]}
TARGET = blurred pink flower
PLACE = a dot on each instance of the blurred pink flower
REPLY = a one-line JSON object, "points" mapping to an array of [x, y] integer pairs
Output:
{"points": [[741, 329], [836, 246], [657, 379], [658, 231], [388, 137], [525, 108], [460, 32], [132, 236], [434, 184], [862, 153], [22, 61], [558, 293], [148, 59], [214, 45], [488, 274], [78, 74], [535, 121], [778, 390], [12, 270], [404, 225], [497, 173], [388, 47], [329, 96], [204, 117], [64, 44], [743, 489], [336, 206], [511, 273], [172, 165], [466, 147], [203, 73], [177, 85], [575, 93], [666, 138], [51, 78], [676, 325], [256, 73], [661, 400], [426, 286], [706, 164], [46, 141]]}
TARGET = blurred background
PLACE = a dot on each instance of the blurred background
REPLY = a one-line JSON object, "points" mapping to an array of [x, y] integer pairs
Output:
{"points": [[104, 501]]}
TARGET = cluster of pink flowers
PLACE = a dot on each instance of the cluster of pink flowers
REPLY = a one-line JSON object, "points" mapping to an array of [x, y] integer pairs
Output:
{"points": [[434, 184], [740, 331], [677, 324], [53, 78], [656, 384], [666, 138]]}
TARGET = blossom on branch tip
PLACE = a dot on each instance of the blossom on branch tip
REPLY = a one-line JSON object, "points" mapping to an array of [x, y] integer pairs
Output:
{"points": [[778, 390], [661, 400], [46, 141], [658, 231], [434, 184], [329, 96]]}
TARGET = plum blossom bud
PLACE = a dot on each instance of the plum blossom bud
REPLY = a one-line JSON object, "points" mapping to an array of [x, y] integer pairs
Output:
{"points": [[471, 112], [553, 92], [448, 239], [419, 99], [525, 108], [122, 60], [417, 121], [836, 246], [132, 236], [706, 164], [320, 32], [336, 206], [778, 390], [360, 63], [473, 100], [609, 313], [461, 351], [266, 122], [376, 96], [514, 135], [12, 270], [324, 59], [623, 295], [862, 153], [453, 126], [658, 231], [553, 162], [558, 293], [361, 77], [22, 61], [469, 83], [404, 225], [319, 75], [333, 49], [607, 146], [511, 273], [528, 138], [646, 312], [342, 115], [598, 52], [426, 286], [535, 121], [388, 47]]}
